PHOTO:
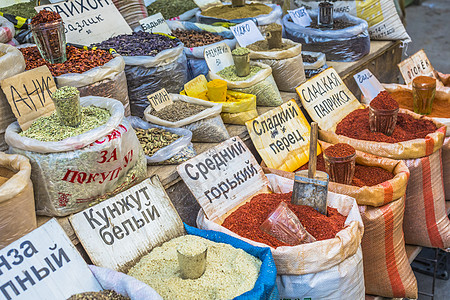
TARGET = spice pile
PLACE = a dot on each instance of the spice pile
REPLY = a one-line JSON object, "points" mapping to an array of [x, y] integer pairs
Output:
{"points": [[102, 295], [170, 9], [364, 175], [49, 129], [229, 73], [25, 10], [264, 46], [308, 58], [384, 101], [247, 219], [154, 139], [356, 125], [178, 110], [440, 108], [78, 60], [192, 38], [229, 272], [229, 12], [337, 24], [139, 43]]}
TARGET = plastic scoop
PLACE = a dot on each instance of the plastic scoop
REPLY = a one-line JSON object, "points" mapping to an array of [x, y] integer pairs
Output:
{"points": [[311, 186], [192, 264]]}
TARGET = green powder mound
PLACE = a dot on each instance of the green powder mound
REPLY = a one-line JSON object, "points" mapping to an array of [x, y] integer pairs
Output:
{"points": [[170, 9], [24, 10], [49, 129]]}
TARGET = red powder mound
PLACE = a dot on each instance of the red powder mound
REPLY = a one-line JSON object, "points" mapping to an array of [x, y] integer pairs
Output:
{"points": [[384, 101]]}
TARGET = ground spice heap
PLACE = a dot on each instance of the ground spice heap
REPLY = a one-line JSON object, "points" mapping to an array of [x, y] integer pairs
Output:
{"points": [[192, 38], [440, 108], [170, 9], [364, 175], [154, 139], [340, 150], [25, 10], [49, 129], [384, 101], [356, 125], [230, 272], [102, 295], [337, 24], [177, 111], [247, 219], [264, 46], [229, 12], [308, 58], [229, 73], [78, 60], [45, 16]]}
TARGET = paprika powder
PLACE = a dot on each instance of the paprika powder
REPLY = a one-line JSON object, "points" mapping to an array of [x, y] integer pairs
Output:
{"points": [[384, 101]]}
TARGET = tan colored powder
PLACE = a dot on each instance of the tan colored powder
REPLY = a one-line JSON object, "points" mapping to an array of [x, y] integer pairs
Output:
{"points": [[264, 46], [228, 12]]}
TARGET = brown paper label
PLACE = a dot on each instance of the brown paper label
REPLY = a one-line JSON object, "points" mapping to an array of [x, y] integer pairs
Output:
{"points": [[417, 64], [160, 99], [28, 94]]}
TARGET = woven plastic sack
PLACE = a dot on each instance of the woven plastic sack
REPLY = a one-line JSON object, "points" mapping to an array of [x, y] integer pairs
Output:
{"points": [[348, 44], [381, 15], [262, 85], [17, 216], [325, 269], [71, 174], [446, 166], [265, 284], [12, 63], [7, 30], [287, 65], [174, 153], [132, 11], [206, 126], [148, 74], [195, 58]]}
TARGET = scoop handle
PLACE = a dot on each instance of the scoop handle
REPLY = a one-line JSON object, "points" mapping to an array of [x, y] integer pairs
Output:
{"points": [[313, 150]]}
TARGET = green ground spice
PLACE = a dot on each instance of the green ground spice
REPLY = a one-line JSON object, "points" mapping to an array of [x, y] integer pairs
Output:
{"points": [[170, 9], [264, 46], [228, 12], [24, 10], [240, 51], [179, 110], [229, 73], [102, 295], [49, 129]]}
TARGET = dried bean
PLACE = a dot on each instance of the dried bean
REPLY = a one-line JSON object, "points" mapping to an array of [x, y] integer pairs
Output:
{"points": [[192, 38]]}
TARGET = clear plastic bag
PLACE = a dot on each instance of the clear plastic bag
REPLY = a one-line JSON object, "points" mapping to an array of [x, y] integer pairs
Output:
{"points": [[177, 152], [7, 30], [314, 68], [148, 74], [348, 44]]}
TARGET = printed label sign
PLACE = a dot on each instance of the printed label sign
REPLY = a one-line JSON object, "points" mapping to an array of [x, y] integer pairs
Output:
{"points": [[218, 57], [223, 177], [247, 33], [44, 264], [416, 65], [368, 84], [28, 94], [155, 23], [160, 99], [300, 16], [327, 99], [121, 229], [281, 137], [88, 22]]}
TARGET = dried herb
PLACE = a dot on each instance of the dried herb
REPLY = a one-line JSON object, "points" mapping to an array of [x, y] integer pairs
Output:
{"points": [[170, 9], [240, 51], [229, 73], [192, 38], [179, 110], [24, 10], [228, 12], [264, 46], [102, 295], [49, 129], [154, 139], [67, 104], [45, 16]]}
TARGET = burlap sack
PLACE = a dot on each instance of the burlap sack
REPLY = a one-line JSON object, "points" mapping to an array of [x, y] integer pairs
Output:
{"points": [[17, 216]]}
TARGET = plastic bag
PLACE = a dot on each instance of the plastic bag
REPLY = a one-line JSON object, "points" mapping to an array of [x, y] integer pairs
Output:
{"points": [[206, 126], [312, 69], [175, 151], [132, 11], [71, 174], [7, 30], [11, 63], [262, 85], [348, 44], [17, 216], [148, 74]]}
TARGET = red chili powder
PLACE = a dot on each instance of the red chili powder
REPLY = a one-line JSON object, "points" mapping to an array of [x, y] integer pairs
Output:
{"points": [[247, 219], [45, 16], [340, 150], [364, 175], [384, 101], [356, 125]]}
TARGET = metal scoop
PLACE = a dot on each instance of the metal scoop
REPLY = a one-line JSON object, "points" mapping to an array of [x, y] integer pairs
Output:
{"points": [[311, 186]]}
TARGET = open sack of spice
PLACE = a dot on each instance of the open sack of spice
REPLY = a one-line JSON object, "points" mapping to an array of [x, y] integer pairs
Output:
{"points": [[196, 37], [73, 167], [163, 145], [201, 117], [237, 108], [177, 10], [258, 82], [11, 63], [314, 63], [152, 61]]}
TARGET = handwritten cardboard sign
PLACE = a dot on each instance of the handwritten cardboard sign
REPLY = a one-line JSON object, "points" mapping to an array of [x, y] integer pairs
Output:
{"points": [[368, 84], [44, 264], [118, 231], [327, 99], [89, 22], [223, 177], [417, 64], [28, 94], [155, 23], [281, 137], [218, 57], [247, 33], [160, 99], [300, 16]]}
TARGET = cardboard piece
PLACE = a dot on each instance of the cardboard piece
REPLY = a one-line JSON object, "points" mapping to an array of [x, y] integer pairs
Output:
{"points": [[160, 99], [417, 64], [117, 232], [246, 33], [44, 264], [155, 23], [28, 94], [218, 57]]}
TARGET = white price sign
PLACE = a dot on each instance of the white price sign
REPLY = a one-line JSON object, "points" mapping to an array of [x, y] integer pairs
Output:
{"points": [[300, 16], [368, 84], [218, 57], [247, 33], [155, 23]]}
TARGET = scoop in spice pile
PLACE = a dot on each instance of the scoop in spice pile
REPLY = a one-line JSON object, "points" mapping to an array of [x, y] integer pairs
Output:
{"points": [[384, 101], [154, 139], [102, 295], [45, 16]]}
